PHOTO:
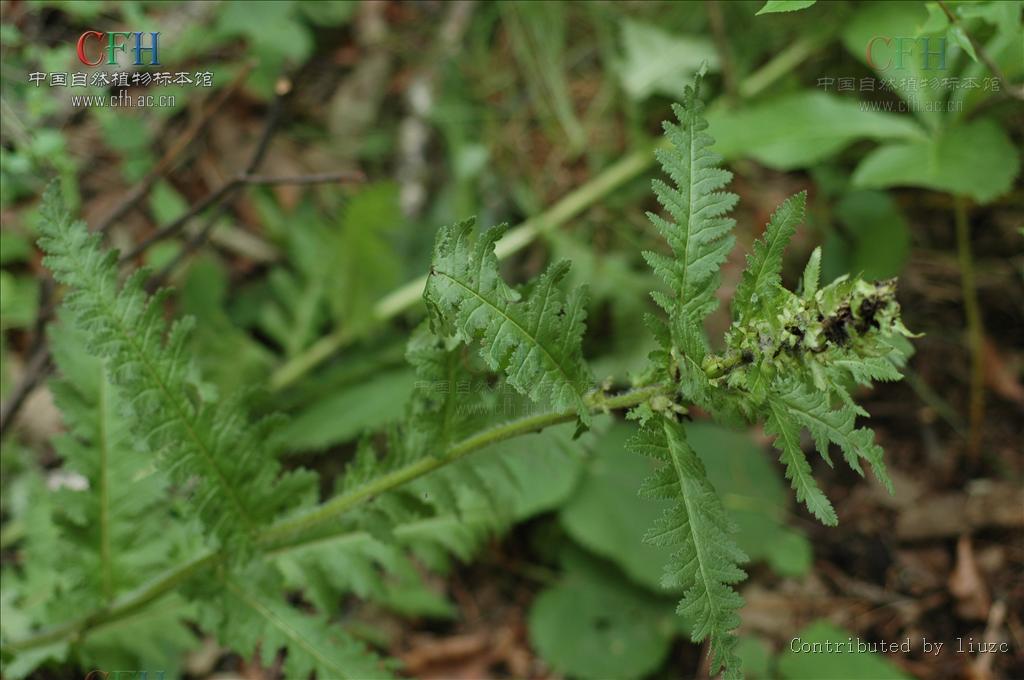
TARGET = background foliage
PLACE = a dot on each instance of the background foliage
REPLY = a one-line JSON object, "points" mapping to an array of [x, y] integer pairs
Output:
{"points": [[543, 116]]}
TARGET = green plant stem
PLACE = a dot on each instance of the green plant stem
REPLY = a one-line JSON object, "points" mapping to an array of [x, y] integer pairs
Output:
{"points": [[784, 63], [277, 537], [123, 607], [293, 531], [403, 298], [975, 327], [345, 502]]}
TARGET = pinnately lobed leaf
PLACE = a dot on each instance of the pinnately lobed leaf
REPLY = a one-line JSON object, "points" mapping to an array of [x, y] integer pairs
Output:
{"points": [[239, 487], [117, 528], [705, 562], [535, 341], [698, 231], [786, 429], [761, 281], [789, 362], [249, 611]]}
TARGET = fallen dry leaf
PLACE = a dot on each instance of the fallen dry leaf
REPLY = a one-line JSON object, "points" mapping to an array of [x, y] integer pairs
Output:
{"points": [[990, 504], [1002, 376], [981, 667], [967, 584]]}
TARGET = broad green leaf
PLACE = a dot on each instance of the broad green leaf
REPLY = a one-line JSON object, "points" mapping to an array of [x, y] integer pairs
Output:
{"points": [[800, 661], [543, 469], [975, 159], [756, 657], [1003, 14], [880, 237], [290, 40], [13, 247], [362, 262], [166, 203], [937, 19], [800, 129], [705, 559], [19, 300], [772, 6], [593, 625], [349, 411], [755, 496], [328, 13], [658, 62], [228, 356], [606, 516], [1003, 49], [877, 33], [957, 35]]}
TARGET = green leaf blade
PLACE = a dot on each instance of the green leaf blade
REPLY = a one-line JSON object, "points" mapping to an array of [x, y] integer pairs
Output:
{"points": [[535, 341], [706, 558], [762, 278], [798, 470], [699, 233], [773, 6], [194, 442]]}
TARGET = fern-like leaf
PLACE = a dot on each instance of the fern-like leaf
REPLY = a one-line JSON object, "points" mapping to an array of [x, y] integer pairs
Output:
{"points": [[707, 559], [535, 341], [699, 231], [238, 485], [812, 275], [813, 411], [761, 281], [117, 526], [448, 512], [381, 568], [779, 422], [250, 612]]}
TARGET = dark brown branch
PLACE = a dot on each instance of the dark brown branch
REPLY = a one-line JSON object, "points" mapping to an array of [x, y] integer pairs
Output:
{"points": [[36, 369], [39, 365], [170, 157], [179, 222], [220, 197]]}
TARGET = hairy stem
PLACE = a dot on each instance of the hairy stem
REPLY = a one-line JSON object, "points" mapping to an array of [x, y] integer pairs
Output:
{"points": [[339, 505], [975, 328], [292, 532]]}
